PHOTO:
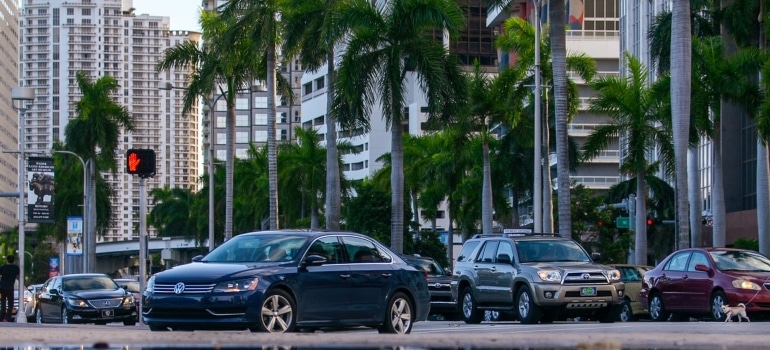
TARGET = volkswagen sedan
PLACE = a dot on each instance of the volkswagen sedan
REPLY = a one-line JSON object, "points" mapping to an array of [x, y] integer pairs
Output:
{"points": [[84, 298], [281, 281], [698, 281]]}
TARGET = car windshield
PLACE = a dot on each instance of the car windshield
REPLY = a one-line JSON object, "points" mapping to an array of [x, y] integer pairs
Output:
{"points": [[131, 286], [88, 283], [731, 260], [550, 251], [260, 248]]}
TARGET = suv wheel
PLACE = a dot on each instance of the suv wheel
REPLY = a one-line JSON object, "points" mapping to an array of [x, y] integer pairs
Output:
{"points": [[469, 309], [626, 312], [529, 313]]}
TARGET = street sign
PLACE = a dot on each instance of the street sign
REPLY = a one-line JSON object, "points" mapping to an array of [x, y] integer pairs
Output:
{"points": [[621, 222]]}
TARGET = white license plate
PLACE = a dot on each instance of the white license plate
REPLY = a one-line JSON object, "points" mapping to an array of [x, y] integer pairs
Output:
{"points": [[587, 291], [108, 313]]}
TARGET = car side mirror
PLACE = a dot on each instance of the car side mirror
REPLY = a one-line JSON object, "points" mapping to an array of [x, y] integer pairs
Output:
{"points": [[54, 292], [314, 260], [197, 258], [596, 257], [703, 268], [504, 258]]}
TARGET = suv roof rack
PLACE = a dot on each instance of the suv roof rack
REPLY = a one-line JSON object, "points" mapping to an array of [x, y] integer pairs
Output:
{"points": [[515, 234]]}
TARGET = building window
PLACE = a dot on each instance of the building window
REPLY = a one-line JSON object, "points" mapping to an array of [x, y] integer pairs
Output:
{"points": [[221, 139], [319, 83], [282, 134], [242, 120], [221, 122], [221, 106], [242, 137], [242, 153], [260, 119], [86, 12], [242, 103], [260, 135], [221, 154], [260, 102], [70, 11], [307, 89]]}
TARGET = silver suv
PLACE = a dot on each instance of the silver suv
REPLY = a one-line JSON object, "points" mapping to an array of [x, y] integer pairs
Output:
{"points": [[535, 278]]}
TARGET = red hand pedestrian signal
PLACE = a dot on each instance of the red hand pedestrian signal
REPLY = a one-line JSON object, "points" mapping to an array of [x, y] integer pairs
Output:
{"points": [[140, 162]]}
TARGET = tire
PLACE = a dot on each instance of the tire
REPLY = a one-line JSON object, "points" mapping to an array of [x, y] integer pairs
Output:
{"points": [[38, 316], [717, 300], [469, 309], [626, 312], [658, 311], [610, 314], [155, 328], [529, 313], [277, 313], [65, 317], [399, 315]]}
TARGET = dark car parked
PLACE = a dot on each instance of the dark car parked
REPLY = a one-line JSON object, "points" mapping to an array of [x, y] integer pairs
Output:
{"points": [[698, 281], [84, 298], [279, 281], [439, 280]]}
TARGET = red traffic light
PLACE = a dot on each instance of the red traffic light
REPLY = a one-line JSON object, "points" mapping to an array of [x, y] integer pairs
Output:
{"points": [[649, 222], [140, 162]]}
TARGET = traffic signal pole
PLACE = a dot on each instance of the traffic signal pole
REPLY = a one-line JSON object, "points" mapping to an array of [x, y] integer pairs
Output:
{"points": [[142, 241]]}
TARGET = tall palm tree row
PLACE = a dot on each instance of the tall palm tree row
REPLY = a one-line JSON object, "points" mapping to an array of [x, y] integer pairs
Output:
{"points": [[389, 42], [640, 113]]}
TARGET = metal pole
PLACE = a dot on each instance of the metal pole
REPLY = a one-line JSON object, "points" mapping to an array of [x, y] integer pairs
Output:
{"points": [[20, 316], [211, 193], [537, 189], [142, 240], [85, 203]]}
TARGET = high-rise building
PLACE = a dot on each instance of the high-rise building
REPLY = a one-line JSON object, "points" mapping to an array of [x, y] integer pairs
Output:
{"points": [[9, 44], [100, 38]]}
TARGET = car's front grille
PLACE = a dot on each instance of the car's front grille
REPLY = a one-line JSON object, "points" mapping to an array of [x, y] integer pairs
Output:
{"points": [[593, 277], [105, 303], [188, 288], [599, 293]]}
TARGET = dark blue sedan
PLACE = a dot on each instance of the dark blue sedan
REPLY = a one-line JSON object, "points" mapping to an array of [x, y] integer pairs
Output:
{"points": [[280, 281]]}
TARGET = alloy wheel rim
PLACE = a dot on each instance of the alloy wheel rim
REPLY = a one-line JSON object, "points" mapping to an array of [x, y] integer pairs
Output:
{"points": [[716, 307], [625, 313], [276, 314], [524, 305], [467, 305], [655, 308], [401, 316]]}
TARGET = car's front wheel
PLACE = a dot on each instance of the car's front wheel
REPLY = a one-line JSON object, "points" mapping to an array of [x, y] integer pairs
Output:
{"points": [[626, 312], [277, 313], [658, 311], [469, 309], [717, 300], [65, 315], [529, 313], [400, 314]]}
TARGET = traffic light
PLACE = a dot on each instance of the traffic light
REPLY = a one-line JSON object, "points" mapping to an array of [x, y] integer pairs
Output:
{"points": [[140, 162], [650, 221]]}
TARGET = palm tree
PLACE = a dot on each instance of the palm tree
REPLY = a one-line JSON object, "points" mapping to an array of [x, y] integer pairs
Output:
{"points": [[557, 12], [94, 135], [173, 213], [259, 20], [637, 111], [304, 167], [310, 28], [387, 44], [681, 74]]}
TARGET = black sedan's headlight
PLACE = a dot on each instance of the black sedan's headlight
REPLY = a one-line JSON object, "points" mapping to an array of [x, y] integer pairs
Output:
{"points": [[128, 300], [76, 302], [237, 286]]}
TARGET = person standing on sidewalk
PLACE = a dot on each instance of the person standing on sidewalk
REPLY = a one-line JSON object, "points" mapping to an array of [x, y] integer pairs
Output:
{"points": [[9, 273]]}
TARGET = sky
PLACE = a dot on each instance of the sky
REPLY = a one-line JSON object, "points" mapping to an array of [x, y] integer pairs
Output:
{"points": [[183, 13]]}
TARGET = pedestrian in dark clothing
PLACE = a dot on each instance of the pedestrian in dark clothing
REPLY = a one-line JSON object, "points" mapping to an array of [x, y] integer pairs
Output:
{"points": [[9, 273]]}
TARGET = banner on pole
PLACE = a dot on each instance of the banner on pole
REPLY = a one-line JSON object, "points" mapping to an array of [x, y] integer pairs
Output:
{"points": [[74, 235], [53, 267], [40, 197]]}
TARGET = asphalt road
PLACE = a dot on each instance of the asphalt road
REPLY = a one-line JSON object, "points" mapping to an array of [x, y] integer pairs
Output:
{"points": [[425, 335]]}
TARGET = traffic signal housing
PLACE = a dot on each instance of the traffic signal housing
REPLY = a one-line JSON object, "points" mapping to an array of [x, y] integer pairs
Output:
{"points": [[140, 162]]}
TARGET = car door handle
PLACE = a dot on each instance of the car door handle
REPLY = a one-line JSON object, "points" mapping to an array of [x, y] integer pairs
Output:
{"points": [[344, 276], [685, 277], [387, 275], [475, 267], [493, 268]]}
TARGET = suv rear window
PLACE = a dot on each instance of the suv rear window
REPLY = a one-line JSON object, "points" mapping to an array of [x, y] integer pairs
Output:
{"points": [[465, 252]]}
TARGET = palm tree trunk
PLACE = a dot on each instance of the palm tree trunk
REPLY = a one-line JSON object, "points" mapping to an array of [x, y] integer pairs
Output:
{"points": [[313, 212], [547, 182], [693, 180], [763, 198], [397, 183], [486, 191], [717, 189], [681, 74], [515, 210], [230, 166], [90, 240], [559, 58], [640, 236], [332, 162], [272, 147]]}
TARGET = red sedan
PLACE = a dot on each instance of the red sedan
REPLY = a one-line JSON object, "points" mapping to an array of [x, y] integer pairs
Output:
{"points": [[697, 281]]}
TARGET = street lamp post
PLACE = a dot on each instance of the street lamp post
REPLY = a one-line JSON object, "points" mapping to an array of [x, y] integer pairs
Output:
{"points": [[85, 203], [537, 191], [21, 94]]}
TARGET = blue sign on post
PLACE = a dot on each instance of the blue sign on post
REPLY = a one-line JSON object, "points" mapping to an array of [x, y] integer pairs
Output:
{"points": [[74, 235]]}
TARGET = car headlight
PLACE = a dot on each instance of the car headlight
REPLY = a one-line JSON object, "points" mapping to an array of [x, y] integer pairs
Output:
{"points": [[550, 276], [236, 286], [150, 287], [128, 300], [744, 284], [76, 302], [613, 275]]}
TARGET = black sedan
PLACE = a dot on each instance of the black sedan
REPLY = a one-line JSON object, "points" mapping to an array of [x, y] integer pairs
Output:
{"points": [[441, 304], [84, 298], [280, 281]]}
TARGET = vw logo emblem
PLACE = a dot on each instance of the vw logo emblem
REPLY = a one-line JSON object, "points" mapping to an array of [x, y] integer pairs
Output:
{"points": [[179, 288], [584, 276]]}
